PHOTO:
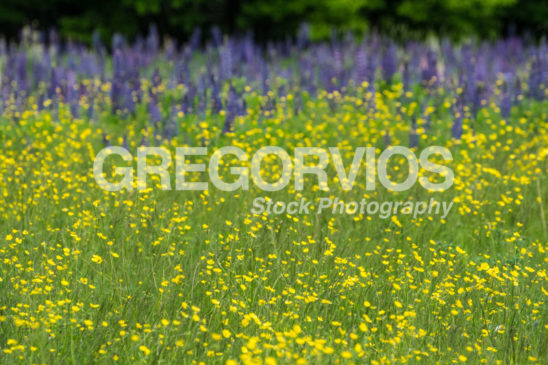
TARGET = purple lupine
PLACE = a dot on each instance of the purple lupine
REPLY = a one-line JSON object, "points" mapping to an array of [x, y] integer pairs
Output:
{"points": [[249, 52], [171, 129], [117, 42], [39, 102], [427, 117], [265, 78], [338, 67], [182, 71], [116, 88], [116, 95], [506, 105], [187, 105], [216, 104], [216, 36], [195, 39], [128, 99], [506, 100], [406, 76], [430, 69], [413, 136], [22, 71], [53, 39], [231, 110], [226, 61], [91, 113], [96, 41], [202, 95], [535, 77], [371, 69], [479, 97], [154, 113], [38, 72], [361, 65], [333, 65], [153, 40], [456, 128], [303, 37], [449, 57], [170, 50], [470, 88], [389, 63], [72, 93], [516, 91], [56, 85], [156, 78]]}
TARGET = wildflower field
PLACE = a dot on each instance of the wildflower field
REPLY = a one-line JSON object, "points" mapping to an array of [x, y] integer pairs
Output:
{"points": [[175, 276]]}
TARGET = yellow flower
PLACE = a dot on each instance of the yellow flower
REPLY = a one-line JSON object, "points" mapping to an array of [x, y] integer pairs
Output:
{"points": [[346, 354], [97, 259], [144, 349]]}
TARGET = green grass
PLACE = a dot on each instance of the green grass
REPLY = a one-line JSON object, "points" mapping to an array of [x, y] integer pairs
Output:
{"points": [[183, 277]]}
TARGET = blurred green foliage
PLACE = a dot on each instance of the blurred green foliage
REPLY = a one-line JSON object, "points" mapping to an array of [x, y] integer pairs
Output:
{"points": [[275, 19]]}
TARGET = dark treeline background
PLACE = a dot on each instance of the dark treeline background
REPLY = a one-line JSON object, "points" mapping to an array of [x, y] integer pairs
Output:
{"points": [[277, 19]]}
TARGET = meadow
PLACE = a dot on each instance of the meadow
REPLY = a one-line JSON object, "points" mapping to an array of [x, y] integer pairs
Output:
{"points": [[154, 276]]}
